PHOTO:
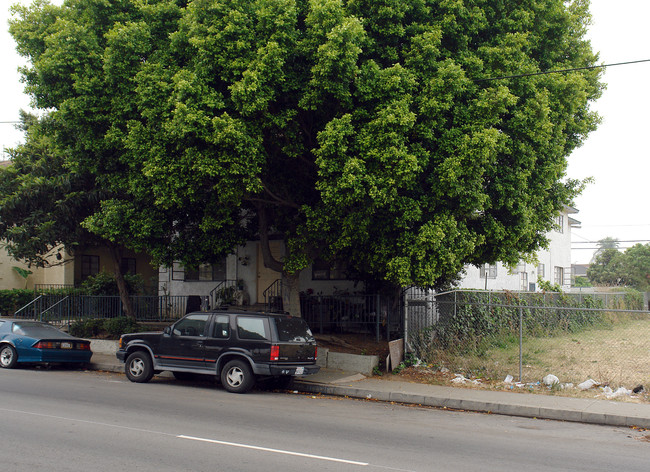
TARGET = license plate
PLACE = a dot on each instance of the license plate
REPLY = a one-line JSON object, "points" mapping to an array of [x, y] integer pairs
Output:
{"points": [[300, 370], [66, 345]]}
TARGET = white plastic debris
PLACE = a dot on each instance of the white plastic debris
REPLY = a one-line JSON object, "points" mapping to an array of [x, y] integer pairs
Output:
{"points": [[587, 384], [444, 370], [620, 392], [509, 378], [550, 380], [459, 379]]}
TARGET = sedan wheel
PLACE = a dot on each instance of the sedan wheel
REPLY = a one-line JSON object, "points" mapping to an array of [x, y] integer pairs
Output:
{"points": [[8, 357], [237, 377]]}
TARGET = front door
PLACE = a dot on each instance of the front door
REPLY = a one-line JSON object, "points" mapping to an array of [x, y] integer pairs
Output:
{"points": [[184, 346]]}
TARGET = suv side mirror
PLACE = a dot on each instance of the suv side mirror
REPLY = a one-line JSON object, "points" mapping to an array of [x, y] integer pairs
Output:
{"points": [[167, 330]]}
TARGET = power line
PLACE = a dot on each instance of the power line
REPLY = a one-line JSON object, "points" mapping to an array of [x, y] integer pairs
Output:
{"points": [[617, 241], [561, 71]]}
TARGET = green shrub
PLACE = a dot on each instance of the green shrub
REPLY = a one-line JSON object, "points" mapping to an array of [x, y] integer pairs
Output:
{"points": [[12, 300], [111, 328], [115, 327], [87, 328]]}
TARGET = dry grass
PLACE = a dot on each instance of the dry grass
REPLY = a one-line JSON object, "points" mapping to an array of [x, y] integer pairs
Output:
{"points": [[615, 355]]}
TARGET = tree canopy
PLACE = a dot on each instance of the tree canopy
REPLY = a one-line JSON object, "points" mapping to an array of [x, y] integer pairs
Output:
{"points": [[630, 268], [385, 133]]}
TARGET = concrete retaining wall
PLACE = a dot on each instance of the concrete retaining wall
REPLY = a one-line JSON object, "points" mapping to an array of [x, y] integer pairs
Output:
{"points": [[103, 346]]}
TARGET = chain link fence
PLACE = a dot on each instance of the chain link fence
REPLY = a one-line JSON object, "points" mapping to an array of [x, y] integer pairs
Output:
{"points": [[492, 335]]}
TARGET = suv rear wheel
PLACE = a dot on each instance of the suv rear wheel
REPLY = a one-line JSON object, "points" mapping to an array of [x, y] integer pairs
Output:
{"points": [[138, 367], [237, 377]]}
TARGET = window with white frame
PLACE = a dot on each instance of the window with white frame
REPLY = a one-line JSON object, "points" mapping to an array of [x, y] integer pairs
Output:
{"points": [[559, 222], [523, 278], [541, 270], [558, 275], [489, 271]]}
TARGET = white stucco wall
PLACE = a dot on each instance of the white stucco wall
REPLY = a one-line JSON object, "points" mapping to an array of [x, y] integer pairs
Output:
{"points": [[557, 255]]}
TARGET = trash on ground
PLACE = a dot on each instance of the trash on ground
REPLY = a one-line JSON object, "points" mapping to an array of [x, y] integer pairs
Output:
{"points": [[460, 379], [587, 384], [550, 380], [620, 392]]}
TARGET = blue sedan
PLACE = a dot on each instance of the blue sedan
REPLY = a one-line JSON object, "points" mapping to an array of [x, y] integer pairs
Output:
{"points": [[36, 342]]}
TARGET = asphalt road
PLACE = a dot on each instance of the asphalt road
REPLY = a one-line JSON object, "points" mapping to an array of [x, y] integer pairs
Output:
{"points": [[61, 420]]}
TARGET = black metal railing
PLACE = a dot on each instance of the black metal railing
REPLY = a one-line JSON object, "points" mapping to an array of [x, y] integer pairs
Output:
{"points": [[69, 308], [273, 297], [225, 293], [367, 314]]}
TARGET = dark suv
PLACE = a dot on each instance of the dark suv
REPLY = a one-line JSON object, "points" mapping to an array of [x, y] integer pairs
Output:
{"points": [[238, 347]]}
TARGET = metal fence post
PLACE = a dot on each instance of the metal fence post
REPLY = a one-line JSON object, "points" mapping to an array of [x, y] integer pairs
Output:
{"points": [[406, 323], [521, 336], [320, 314], [377, 316]]}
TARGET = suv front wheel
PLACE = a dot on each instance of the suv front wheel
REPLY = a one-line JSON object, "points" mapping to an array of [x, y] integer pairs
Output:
{"points": [[138, 367], [237, 377]]}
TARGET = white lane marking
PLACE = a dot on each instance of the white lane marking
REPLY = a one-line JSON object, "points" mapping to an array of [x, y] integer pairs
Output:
{"points": [[96, 423], [214, 441], [277, 451]]}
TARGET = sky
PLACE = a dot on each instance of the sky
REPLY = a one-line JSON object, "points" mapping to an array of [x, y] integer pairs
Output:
{"points": [[616, 155]]}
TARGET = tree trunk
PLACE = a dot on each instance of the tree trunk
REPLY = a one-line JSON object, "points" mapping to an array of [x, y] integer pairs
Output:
{"points": [[290, 282], [127, 306], [291, 294]]}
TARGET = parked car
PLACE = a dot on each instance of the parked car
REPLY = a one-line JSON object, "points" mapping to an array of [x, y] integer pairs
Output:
{"points": [[29, 341], [237, 347]]}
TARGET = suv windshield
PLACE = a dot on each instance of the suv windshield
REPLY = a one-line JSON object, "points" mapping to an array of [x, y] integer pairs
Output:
{"points": [[292, 329]]}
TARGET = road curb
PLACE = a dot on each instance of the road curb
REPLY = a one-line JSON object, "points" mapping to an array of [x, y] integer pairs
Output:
{"points": [[491, 407], [599, 412]]}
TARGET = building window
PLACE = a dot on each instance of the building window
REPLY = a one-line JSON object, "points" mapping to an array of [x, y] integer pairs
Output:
{"points": [[541, 270], [560, 224], [207, 272], [489, 271], [321, 270], [521, 267], [89, 266], [523, 277], [127, 265], [559, 275]]}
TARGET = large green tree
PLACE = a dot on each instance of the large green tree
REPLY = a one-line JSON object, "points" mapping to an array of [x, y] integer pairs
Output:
{"points": [[390, 134], [43, 203], [630, 268]]}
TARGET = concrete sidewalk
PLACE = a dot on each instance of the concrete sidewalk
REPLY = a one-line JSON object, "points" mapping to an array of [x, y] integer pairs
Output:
{"points": [[341, 383]]}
